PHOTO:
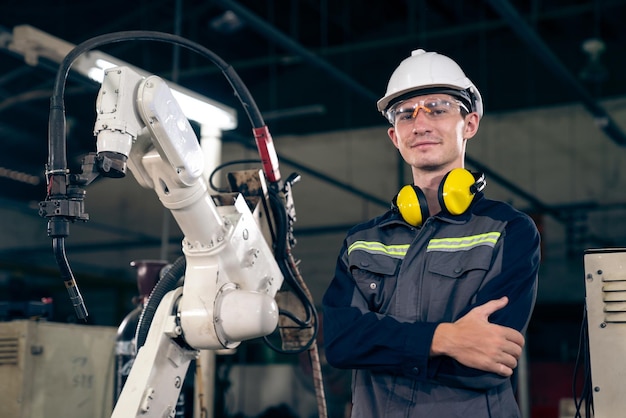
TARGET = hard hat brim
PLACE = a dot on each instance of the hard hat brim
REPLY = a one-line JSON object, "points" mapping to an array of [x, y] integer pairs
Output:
{"points": [[462, 95]]}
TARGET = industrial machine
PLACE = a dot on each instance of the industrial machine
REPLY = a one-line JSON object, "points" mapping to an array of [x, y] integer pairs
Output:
{"points": [[236, 249], [603, 342]]}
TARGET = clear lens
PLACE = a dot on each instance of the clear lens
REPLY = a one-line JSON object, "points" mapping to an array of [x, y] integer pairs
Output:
{"points": [[433, 108]]}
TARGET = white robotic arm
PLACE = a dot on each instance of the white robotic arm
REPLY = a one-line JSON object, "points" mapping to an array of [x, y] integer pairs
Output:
{"points": [[231, 276]]}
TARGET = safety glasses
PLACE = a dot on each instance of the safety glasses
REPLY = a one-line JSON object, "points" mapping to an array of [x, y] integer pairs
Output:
{"points": [[404, 113]]}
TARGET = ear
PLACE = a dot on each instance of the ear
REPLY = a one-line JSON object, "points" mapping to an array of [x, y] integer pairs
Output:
{"points": [[472, 120], [392, 135]]}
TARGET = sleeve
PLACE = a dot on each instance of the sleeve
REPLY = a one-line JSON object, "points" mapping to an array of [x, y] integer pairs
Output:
{"points": [[356, 337], [514, 274]]}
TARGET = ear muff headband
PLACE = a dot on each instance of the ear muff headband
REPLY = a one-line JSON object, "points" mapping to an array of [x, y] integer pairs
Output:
{"points": [[456, 191], [411, 203]]}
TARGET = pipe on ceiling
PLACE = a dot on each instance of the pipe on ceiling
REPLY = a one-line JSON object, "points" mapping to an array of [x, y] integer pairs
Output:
{"points": [[540, 49], [289, 44]]}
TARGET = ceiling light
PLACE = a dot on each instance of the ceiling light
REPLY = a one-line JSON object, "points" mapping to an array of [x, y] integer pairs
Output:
{"points": [[594, 71], [33, 43], [228, 22]]}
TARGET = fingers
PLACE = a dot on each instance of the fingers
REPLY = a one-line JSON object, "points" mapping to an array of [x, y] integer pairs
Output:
{"points": [[492, 306], [504, 370], [507, 358], [511, 342], [485, 346], [501, 363], [513, 336], [486, 309]]}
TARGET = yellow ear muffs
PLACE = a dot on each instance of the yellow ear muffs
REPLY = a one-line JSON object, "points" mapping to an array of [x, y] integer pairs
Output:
{"points": [[412, 205], [457, 190]]}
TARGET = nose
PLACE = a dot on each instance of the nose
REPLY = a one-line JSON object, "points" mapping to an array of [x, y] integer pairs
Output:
{"points": [[421, 124]]}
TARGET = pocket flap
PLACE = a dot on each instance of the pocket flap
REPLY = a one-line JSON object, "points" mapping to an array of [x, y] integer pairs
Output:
{"points": [[456, 264]]}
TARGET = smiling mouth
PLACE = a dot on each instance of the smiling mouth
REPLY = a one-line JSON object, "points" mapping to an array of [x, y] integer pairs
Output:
{"points": [[424, 143]]}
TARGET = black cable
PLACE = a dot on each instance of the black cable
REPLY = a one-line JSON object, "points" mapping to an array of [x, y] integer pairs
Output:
{"points": [[56, 126], [281, 255], [583, 361], [168, 282], [58, 245], [228, 164]]}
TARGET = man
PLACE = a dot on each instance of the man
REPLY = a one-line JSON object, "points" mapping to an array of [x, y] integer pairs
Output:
{"points": [[430, 300]]}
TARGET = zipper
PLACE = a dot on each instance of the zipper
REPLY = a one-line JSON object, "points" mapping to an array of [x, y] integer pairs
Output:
{"points": [[423, 234]]}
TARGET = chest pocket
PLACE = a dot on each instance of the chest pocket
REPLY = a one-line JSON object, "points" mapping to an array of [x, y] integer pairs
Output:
{"points": [[375, 277], [457, 264], [456, 257], [454, 278]]}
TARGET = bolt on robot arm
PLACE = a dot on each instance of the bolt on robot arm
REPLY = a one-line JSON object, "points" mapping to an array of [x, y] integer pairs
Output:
{"points": [[231, 276]]}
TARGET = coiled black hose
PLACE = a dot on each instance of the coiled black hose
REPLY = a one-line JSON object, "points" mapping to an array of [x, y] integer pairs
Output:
{"points": [[168, 282]]}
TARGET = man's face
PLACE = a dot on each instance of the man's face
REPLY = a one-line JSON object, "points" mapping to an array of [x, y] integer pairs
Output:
{"points": [[430, 131]]}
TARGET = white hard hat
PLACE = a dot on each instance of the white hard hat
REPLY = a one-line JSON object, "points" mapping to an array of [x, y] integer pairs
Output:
{"points": [[430, 71]]}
